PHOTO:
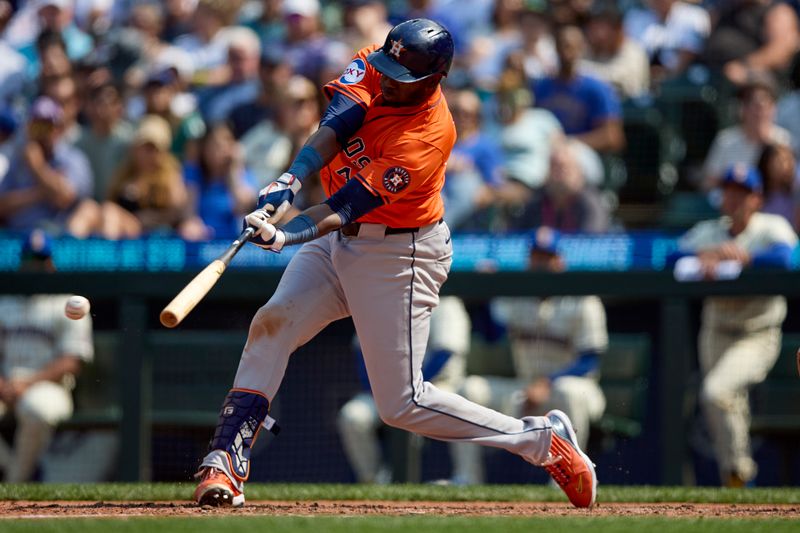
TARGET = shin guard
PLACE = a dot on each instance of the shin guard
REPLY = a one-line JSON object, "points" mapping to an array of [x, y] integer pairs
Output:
{"points": [[242, 415]]}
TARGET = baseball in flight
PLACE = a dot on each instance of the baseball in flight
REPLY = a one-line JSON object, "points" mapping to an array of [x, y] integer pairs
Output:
{"points": [[77, 307]]}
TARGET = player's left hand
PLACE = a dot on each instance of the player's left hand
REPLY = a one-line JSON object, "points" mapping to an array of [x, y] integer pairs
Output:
{"points": [[266, 236], [277, 197]]}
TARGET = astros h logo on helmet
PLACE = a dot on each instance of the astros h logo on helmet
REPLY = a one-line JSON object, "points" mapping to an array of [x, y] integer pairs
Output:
{"points": [[397, 47]]}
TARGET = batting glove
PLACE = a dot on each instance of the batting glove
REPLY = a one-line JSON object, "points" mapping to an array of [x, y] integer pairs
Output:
{"points": [[277, 197], [266, 235]]}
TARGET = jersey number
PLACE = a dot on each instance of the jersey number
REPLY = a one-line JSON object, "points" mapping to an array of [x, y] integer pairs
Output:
{"points": [[353, 148]]}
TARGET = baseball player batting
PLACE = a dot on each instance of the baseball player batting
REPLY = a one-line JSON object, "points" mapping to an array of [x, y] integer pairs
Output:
{"points": [[378, 251]]}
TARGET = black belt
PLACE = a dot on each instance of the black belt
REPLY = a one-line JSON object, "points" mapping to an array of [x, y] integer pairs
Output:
{"points": [[351, 229]]}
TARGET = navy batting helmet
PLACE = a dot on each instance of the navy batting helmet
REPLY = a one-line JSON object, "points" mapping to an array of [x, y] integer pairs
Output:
{"points": [[414, 50]]}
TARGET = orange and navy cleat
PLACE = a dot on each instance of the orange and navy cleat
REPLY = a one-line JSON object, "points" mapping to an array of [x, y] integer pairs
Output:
{"points": [[217, 489], [569, 467]]}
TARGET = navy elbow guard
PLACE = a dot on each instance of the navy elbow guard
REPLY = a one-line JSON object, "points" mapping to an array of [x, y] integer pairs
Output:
{"points": [[243, 413], [344, 116], [353, 201]]}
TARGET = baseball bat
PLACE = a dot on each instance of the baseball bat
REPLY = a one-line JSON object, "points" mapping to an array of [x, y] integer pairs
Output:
{"points": [[186, 300]]}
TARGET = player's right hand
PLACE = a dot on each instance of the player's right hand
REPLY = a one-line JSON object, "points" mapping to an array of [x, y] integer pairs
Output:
{"points": [[266, 236], [276, 198]]}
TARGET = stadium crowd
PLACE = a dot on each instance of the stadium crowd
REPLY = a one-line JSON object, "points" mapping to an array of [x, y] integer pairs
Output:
{"points": [[122, 118]]}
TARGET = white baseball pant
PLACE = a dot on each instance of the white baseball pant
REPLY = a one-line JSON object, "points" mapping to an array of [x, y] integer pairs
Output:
{"points": [[40, 409], [731, 364], [388, 284]]}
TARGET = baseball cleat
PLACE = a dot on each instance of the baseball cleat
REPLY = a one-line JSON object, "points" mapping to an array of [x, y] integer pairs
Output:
{"points": [[569, 467], [217, 490]]}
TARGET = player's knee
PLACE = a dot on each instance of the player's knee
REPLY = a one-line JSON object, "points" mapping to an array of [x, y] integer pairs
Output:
{"points": [[268, 321], [398, 414], [714, 393]]}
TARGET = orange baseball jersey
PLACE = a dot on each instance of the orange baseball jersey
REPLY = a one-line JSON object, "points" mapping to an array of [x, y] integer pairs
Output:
{"points": [[399, 153]]}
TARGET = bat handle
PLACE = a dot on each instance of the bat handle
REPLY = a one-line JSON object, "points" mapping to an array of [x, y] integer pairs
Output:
{"points": [[236, 245]]}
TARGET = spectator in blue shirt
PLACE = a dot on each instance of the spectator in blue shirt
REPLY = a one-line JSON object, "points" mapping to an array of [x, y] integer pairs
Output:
{"points": [[474, 170], [587, 108], [57, 16], [221, 188], [47, 176]]}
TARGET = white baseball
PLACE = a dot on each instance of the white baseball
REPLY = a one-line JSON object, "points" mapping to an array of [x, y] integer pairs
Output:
{"points": [[77, 307]]}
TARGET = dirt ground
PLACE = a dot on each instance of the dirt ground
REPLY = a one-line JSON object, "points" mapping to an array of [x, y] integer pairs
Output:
{"points": [[56, 509]]}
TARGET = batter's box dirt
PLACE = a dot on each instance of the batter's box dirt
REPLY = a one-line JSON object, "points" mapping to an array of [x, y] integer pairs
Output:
{"points": [[72, 509]]}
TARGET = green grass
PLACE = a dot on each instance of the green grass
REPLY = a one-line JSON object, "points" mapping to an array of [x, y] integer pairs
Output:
{"points": [[399, 524], [301, 492]]}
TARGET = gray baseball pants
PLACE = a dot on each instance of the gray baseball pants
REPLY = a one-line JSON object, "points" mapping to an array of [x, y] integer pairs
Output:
{"points": [[388, 284]]}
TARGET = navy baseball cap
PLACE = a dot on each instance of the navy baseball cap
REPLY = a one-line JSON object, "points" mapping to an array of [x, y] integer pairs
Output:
{"points": [[545, 240], [414, 50], [744, 176], [37, 245]]}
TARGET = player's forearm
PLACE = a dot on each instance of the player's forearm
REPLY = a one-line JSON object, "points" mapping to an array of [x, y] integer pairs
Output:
{"points": [[312, 223], [318, 151]]}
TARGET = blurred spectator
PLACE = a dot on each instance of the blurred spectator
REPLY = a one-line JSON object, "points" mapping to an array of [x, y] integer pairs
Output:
{"points": [[146, 23], [207, 44], [556, 345], [569, 12], [43, 352], [64, 91], [753, 35], [146, 194], [306, 48], [53, 55], [613, 56], [177, 18], [672, 33], [55, 16], [788, 108], [366, 22], [487, 52], [8, 126], [47, 176], [527, 136], [444, 365], [538, 49], [566, 202], [740, 337], [163, 97], [221, 188], [106, 138], [474, 169], [12, 67], [744, 142], [587, 108], [778, 168], [274, 75], [242, 85], [270, 147], [269, 24]]}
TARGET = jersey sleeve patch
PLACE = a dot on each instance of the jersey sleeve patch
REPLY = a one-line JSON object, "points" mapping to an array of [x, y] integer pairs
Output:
{"points": [[354, 72], [395, 179]]}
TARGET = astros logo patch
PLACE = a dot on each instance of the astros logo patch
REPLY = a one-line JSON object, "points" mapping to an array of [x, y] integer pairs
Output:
{"points": [[395, 179], [354, 72]]}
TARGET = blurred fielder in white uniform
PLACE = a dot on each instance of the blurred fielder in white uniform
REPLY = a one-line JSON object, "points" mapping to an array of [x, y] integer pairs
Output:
{"points": [[444, 365], [41, 351], [556, 344], [740, 337]]}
